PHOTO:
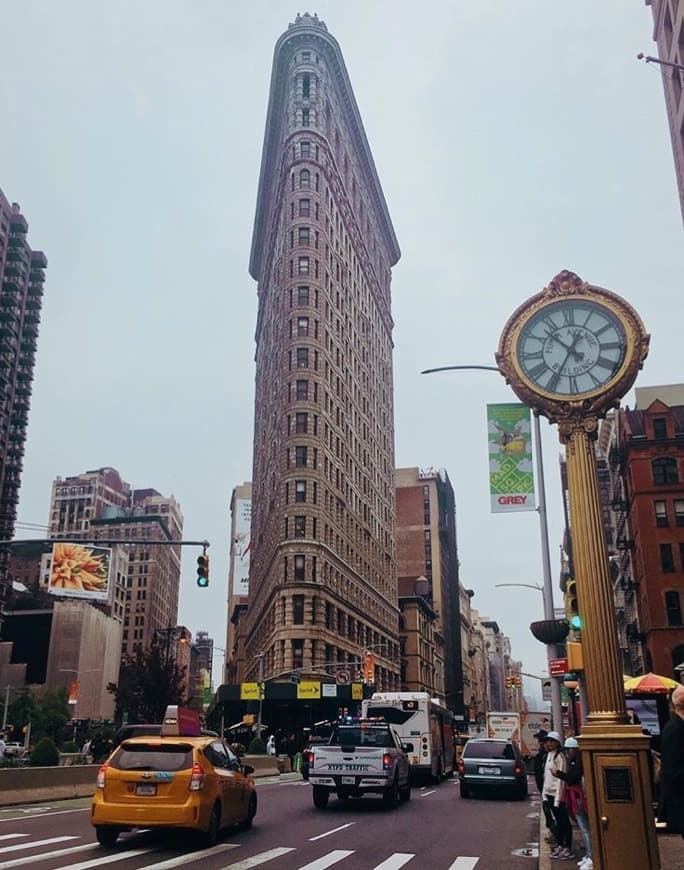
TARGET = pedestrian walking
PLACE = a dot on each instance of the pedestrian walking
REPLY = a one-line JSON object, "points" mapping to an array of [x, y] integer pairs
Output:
{"points": [[271, 746], [671, 805], [538, 768], [575, 796], [554, 796], [3, 746]]}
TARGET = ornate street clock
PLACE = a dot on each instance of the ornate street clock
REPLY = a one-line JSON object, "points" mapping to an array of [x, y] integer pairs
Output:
{"points": [[572, 348]]}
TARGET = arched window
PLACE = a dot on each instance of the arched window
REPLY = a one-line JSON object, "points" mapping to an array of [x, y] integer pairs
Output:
{"points": [[665, 470], [305, 179], [677, 657]]}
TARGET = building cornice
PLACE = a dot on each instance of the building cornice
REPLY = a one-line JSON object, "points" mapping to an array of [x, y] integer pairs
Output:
{"points": [[310, 33]]}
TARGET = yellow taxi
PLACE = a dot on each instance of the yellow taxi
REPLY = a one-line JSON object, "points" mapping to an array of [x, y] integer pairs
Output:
{"points": [[180, 779]]}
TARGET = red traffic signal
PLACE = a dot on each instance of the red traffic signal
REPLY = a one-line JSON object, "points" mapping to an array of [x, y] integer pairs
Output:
{"points": [[203, 571]]}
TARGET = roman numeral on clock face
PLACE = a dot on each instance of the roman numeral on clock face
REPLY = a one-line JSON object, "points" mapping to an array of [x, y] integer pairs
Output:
{"points": [[568, 317], [605, 363], [537, 371]]}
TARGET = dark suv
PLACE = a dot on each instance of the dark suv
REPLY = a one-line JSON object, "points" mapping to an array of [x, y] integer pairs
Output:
{"points": [[492, 764]]}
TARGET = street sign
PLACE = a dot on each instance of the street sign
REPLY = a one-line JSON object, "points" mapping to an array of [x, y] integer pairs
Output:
{"points": [[558, 667], [343, 678], [295, 678], [546, 690]]}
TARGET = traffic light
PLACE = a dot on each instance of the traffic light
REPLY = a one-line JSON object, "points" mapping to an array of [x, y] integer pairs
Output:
{"points": [[203, 571], [571, 605], [509, 682]]}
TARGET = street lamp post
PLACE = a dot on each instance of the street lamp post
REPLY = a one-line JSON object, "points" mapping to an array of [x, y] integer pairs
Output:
{"points": [[547, 589]]}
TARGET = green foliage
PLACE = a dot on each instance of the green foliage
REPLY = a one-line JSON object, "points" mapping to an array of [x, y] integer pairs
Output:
{"points": [[45, 753], [149, 681], [257, 747], [48, 714], [70, 746]]}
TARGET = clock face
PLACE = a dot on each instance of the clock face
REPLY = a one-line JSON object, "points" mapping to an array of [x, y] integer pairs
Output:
{"points": [[571, 347]]}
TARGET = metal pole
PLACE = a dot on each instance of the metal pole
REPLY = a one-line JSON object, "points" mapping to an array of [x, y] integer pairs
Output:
{"points": [[4, 712], [556, 706], [260, 656]]}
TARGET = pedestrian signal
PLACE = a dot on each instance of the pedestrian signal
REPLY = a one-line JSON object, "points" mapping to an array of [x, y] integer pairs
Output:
{"points": [[203, 571]]}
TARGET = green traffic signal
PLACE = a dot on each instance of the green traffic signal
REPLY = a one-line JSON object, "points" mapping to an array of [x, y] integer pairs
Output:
{"points": [[576, 622], [203, 571]]}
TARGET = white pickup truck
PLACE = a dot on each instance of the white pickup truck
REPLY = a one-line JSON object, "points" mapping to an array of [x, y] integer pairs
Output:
{"points": [[361, 758]]}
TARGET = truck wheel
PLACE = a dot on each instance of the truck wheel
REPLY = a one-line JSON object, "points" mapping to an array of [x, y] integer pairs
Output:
{"points": [[390, 796], [320, 797], [405, 792]]}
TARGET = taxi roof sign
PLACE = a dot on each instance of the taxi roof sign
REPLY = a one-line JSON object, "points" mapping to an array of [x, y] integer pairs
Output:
{"points": [[181, 722]]}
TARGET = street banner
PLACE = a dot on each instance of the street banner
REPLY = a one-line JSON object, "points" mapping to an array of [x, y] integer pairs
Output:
{"points": [[369, 668], [309, 689], [73, 692], [77, 571], [249, 691], [242, 545], [357, 691], [511, 472]]}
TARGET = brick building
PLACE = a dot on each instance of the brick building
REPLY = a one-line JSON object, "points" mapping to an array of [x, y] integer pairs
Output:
{"points": [[426, 547], [22, 274], [651, 444], [322, 580]]}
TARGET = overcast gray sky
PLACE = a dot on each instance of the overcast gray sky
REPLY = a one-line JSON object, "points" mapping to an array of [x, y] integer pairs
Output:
{"points": [[512, 140]]}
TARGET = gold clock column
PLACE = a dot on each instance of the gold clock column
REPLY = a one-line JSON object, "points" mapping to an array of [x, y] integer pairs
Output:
{"points": [[614, 753]]}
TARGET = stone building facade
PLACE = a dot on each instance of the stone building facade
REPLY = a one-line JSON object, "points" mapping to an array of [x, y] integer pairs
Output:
{"points": [[322, 577]]}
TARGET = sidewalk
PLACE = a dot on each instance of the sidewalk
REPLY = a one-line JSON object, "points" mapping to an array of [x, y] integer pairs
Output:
{"points": [[671, 847]]}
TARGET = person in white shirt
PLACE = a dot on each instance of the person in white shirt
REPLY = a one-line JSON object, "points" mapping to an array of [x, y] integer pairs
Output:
{"points": [[554, 794], [3, 746]]}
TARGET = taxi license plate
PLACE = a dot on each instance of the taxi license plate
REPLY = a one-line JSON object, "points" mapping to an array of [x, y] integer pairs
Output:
{"points": [[146, 790], [485, 770], [348, 780]]}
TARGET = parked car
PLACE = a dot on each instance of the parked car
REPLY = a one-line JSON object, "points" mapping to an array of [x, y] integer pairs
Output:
{"points": [[180, 778], [14, 750], [492, 764]]}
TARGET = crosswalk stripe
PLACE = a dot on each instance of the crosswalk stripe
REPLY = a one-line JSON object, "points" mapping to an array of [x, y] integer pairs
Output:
{"points": [[109, 858], [194, 856], [394, 862], [332, 831], [35, 844], [464, 864], [328, 860], [44, 856], [426, 793], [12, 836], [261, 858]]}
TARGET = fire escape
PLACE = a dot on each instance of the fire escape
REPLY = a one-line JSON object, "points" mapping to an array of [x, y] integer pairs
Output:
{"points": [[624, 585]]}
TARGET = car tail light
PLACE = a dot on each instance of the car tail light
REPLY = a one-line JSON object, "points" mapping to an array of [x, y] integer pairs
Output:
{"points": [[386, 761], [196, 777], [518, 770], [461, 767], [100, 781]]}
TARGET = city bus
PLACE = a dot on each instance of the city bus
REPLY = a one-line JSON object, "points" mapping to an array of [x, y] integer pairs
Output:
{"points": [[422, 721]]}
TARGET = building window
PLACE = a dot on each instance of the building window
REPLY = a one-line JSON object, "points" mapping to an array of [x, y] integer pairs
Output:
{"points": [[305, 117], [660, 513], [302, 357], [303, 235], [302, 326], [666, 558], [302, 391], [299, 567], [659, 428], [304, 179], [306, 86], [298, 609], [665, 471], [301, 423], [300, 490], [298, 655], [303, 266], [305, 148], [679, 511], [300, 526], [304, 207], [673, 607], [300, 457]]}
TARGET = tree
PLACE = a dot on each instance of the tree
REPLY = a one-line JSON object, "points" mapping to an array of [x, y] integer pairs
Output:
{"points": [[149, 681], [47, 714]]}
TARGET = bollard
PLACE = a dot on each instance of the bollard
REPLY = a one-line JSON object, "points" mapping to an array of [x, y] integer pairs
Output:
{"points": [[297, 762]]}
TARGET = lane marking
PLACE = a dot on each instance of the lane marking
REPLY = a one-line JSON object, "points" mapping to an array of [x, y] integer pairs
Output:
{"points": [[334, 831], [394, 862], [191, 856], [12, 836], [43, 856], [261, 858], [426, 793], [35, 844], [57, 813], [459, 864], [109, 858], [328, 860]]}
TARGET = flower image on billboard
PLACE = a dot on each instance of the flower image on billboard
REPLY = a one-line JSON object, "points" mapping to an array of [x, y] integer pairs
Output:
{"points": [[511, 472], [78, 571]]}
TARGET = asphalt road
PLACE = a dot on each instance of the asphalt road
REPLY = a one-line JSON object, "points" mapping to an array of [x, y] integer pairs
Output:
{"points": [[436, 830]]}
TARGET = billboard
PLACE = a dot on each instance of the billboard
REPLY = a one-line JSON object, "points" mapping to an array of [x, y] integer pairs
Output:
{"points": [[79, 571], [241, 546], [511, 472]]}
